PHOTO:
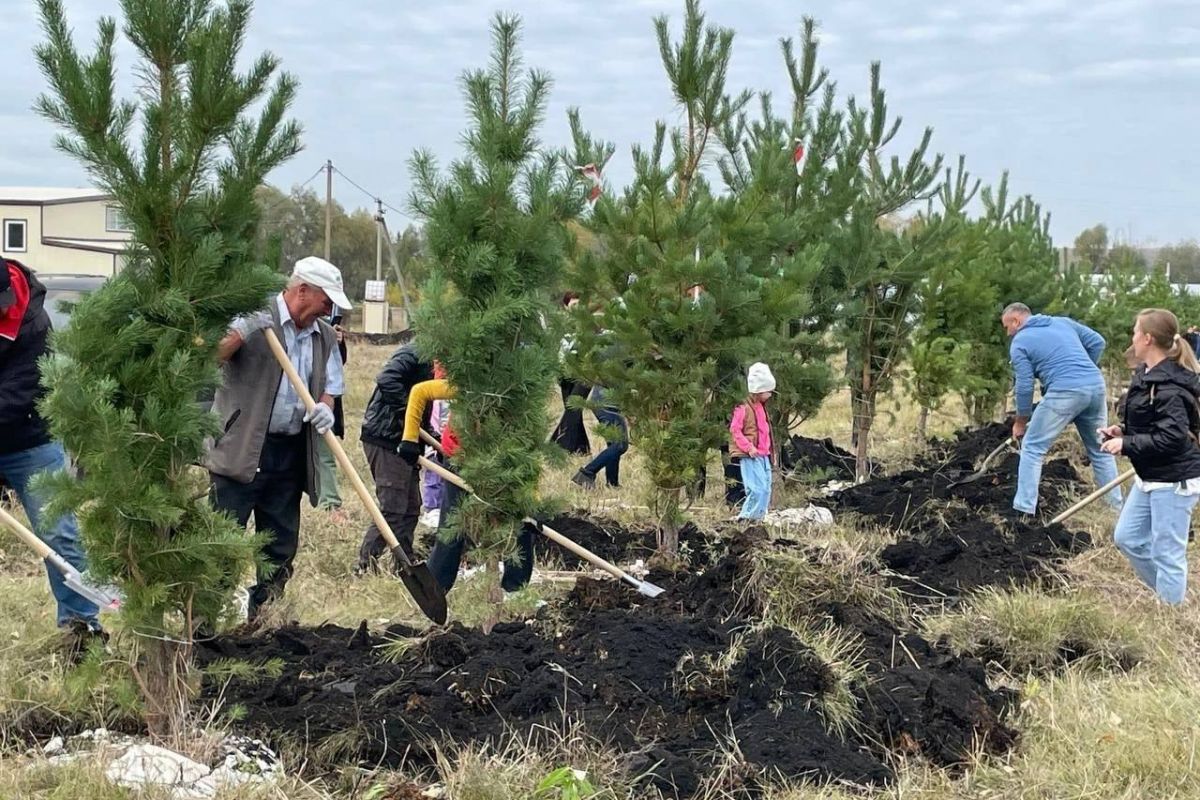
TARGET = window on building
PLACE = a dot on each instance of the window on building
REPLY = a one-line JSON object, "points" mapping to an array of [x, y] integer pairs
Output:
{"points": [[115, 220], [14, 236]]}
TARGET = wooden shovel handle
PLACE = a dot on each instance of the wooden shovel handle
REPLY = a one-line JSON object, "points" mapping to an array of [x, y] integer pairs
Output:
{"points": [[1093, 497], [548, 532], [334, 445], [26, 535]]}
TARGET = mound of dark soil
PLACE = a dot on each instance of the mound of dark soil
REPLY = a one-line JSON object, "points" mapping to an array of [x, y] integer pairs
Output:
{"points": [[968, 447], [971, 553], [622, 545], [912, 498], [820, 456], [640, 674]]}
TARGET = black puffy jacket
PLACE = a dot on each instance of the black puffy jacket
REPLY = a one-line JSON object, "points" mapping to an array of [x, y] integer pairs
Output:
{"points": [[1160, 422], [383, 421], [21, 427]]}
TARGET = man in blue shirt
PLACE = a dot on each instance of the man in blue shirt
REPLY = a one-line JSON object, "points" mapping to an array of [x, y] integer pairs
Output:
{"points": [[1064, 357]]}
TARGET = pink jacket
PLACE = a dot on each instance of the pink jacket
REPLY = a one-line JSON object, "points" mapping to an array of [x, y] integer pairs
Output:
{"points": [[746, 426]]}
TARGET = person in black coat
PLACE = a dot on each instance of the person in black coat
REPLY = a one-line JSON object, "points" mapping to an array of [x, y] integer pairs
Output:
{"points": [[26, 447], [397, 483], [571, 435], [1158, 434]]}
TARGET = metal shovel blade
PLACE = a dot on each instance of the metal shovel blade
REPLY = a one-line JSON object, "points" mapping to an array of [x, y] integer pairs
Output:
{"points": [[424, 588], [983, 467], [104, 599], [649, 589]]}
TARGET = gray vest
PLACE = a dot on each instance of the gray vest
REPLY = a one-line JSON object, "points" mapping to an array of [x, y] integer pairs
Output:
{"points": [[250, 381]]}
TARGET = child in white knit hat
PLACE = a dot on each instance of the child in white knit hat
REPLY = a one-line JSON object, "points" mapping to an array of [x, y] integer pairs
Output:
{"points": [[750, 440]]}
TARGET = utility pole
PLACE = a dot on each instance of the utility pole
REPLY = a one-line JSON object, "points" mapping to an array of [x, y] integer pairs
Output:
{"points": [[328, 206], [378, 239]]}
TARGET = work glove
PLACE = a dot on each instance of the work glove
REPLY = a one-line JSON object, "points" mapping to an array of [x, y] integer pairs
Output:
{"points": [[321, 418], [410, 452], [248, 324]]}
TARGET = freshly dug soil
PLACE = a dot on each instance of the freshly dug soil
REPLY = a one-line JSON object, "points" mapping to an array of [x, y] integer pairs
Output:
{"points": [[640, 674], [622, 545], [804, 455], [973, 553], [959, 538], [968, 447], [912, 498]]}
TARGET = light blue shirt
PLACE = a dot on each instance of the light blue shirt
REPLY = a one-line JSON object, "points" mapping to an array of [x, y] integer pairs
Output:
{"points": [[287, 415]]}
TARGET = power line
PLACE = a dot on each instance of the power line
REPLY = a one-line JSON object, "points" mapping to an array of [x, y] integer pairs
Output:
{"points": [[374, 197], [288, 195]]}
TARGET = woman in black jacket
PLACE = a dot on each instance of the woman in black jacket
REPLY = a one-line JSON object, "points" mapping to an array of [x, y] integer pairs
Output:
{"points": [[1158, 434]]}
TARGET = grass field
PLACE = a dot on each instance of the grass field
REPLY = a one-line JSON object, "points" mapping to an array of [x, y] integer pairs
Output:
{"points": [[1088, 731]]}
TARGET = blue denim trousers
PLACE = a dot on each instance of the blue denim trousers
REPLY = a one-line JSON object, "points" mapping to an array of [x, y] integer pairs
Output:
{"points": [[1152, 532], [756, 477], [61, 534], [609, 458], [1088, 410]]}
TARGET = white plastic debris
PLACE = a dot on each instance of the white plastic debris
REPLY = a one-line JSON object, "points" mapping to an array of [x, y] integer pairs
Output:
{"points": [[833, 487], [148, 765], [794, 517]]}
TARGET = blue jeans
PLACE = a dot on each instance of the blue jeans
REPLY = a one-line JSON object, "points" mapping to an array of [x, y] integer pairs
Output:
{"points": [[609, 459], [61, 534], [756, 477], [1088, 409], [1152, 533]]}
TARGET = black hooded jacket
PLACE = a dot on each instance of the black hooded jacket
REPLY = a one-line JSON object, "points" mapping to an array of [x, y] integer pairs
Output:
{"points": [[21, 427], [1160, 421], [383, 421]]}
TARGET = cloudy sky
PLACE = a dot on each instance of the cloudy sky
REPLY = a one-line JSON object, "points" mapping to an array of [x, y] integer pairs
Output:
{"points": [[1090, 105]]}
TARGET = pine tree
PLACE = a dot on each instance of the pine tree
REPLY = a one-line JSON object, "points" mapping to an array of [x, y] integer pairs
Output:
{"points": [[497, 242], [883, 261], [663, 352], [1020, 266], [139, 351], [955, 296], [779, 217]]}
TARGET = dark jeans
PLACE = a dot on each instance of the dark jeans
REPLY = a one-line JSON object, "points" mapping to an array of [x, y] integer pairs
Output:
{"points": [[446, 556], [398, 488], [735, 490], [571, 435], [274, 499], [609, 459]]}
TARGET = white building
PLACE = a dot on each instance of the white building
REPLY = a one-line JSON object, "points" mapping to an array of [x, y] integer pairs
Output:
{"points": [[62, 231]]}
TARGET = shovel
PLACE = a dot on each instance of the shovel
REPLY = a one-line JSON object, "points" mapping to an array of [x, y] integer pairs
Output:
{"points": [[983, 467], [417, 578], [1093, 497], [103, 598], [644, 587]]}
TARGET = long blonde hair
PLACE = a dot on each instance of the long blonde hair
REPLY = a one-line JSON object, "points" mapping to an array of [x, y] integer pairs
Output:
{"points": [[1163, 327]]}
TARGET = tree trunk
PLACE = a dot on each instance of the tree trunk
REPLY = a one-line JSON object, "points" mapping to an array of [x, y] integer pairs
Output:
{"points": [[668, 525], [862, 430], [163, 672], [923, 424], [495, 595]]}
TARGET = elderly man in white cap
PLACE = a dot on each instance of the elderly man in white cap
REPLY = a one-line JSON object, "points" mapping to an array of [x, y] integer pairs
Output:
{"points": [[266, 455]]}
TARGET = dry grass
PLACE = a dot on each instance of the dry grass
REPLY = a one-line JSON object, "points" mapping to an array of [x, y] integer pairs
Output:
{"points": [[1035, 631], [1087, 733]]}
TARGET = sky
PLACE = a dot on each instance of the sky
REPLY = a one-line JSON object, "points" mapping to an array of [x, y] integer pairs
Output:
{"points": [[1090, 106]]}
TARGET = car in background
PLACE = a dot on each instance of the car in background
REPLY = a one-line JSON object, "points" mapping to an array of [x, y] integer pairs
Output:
{"points": [[68, 289]]}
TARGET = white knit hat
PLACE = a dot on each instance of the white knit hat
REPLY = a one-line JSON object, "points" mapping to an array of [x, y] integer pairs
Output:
{"points": [[760, 379]]}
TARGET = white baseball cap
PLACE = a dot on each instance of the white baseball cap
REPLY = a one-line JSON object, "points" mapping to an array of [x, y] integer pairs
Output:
{"points": [[325, 276]]}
